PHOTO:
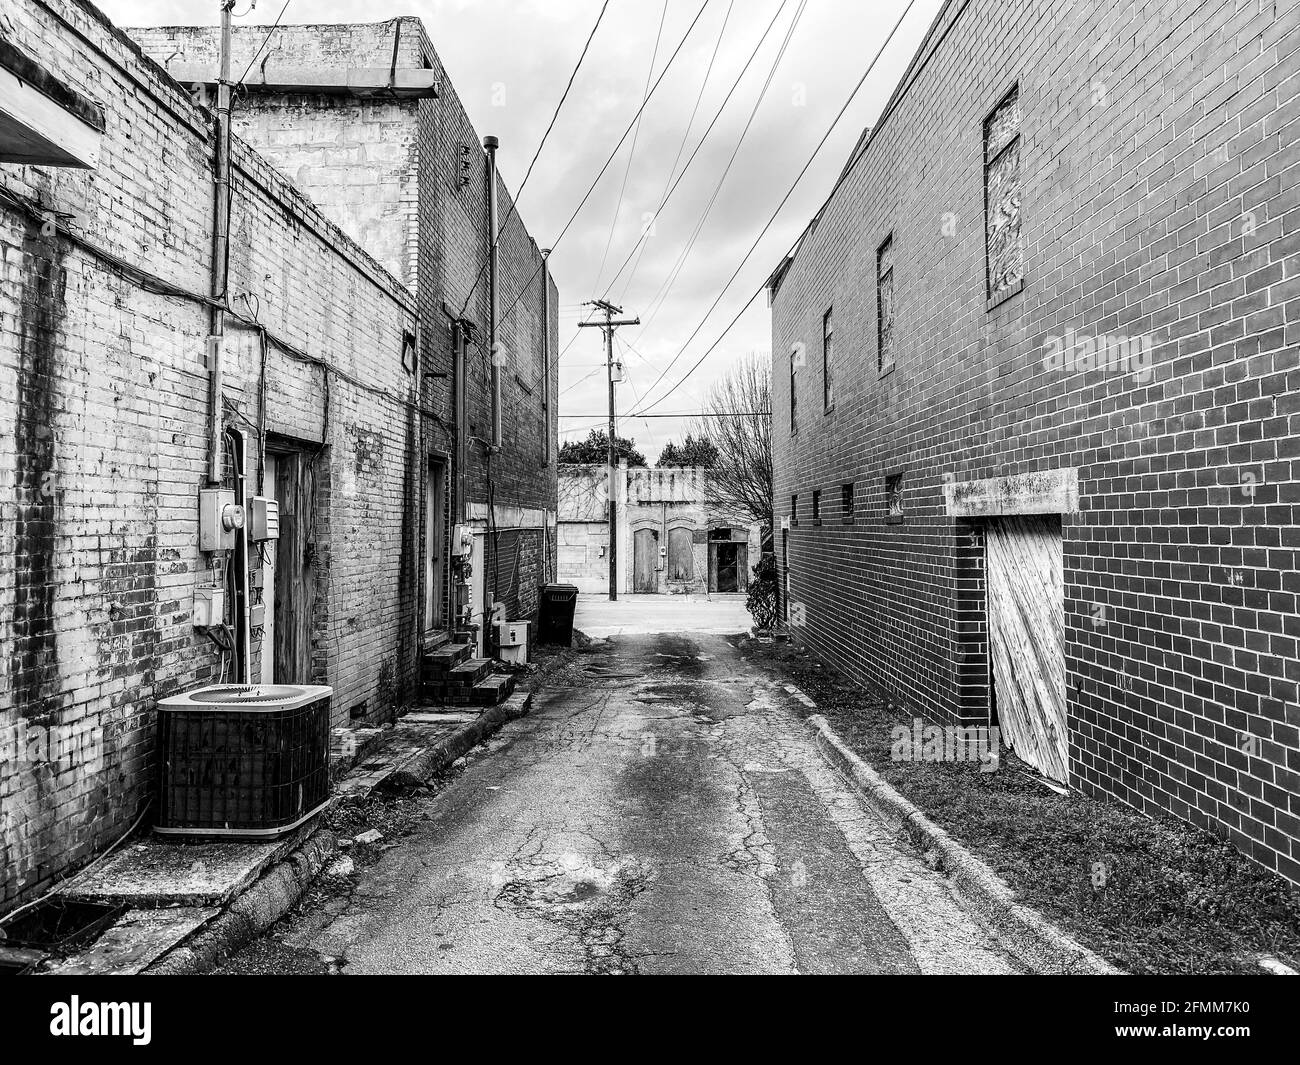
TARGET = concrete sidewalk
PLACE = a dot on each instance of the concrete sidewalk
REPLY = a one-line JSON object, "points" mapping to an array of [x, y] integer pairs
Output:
{"points": [[720, 614]]}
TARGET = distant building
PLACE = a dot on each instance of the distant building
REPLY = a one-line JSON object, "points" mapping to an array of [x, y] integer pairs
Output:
{"points": [[1036, 417], [672, 537]]}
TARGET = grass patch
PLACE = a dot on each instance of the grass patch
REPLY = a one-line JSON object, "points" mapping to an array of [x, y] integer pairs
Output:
{"points": [[1174, 898]]}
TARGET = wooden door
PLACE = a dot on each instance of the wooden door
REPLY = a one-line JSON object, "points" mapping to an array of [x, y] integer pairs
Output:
{"points": [[1026, 616], [645, 557], [295, 574]]}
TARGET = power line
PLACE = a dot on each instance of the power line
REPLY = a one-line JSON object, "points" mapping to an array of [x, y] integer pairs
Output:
{"points": [[680, 264], [631, 155], [686, 414], [592, 187], [514, 204], [705, 136], [274, 26], [763, 232], [690, 124]]}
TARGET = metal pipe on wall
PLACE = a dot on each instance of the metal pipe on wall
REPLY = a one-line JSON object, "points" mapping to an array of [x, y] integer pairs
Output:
{"points": [[490, 143], [220, 252]]}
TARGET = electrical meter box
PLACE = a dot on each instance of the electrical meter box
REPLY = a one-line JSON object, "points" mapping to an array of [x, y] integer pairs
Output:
{"points": [[220, 519], [462, 540], [266, 519]]}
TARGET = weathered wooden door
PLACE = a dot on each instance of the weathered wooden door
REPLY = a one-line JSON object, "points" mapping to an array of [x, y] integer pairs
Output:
{"points": [[645, 557], [1026, 615], [295, 575]]}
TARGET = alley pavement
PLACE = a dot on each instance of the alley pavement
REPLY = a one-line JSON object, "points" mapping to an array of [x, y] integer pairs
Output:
{"points": [[662, 810]]}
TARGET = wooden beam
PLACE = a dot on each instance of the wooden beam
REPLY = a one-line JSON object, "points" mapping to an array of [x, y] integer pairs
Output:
{"points": [[1047, 492], [34, 129]]}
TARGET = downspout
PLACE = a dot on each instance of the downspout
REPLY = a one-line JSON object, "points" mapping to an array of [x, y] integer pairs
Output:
{"points": [[490, 143], [490, 587], [546, 408], [220, 252]]}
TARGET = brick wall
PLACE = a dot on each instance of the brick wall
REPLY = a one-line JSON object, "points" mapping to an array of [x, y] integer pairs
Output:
{"points": [[1159, 187], [103, 393], [408, 180]]}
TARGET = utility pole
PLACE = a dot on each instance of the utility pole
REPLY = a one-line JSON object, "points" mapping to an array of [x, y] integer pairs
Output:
{"points": [[609, 325]]}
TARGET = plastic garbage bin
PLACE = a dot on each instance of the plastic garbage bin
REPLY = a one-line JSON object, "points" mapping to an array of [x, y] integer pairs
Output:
{"points": [[556, 623]]}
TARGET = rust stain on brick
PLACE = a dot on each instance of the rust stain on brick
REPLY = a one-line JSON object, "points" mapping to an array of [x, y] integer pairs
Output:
{"points": [[34, 664]]}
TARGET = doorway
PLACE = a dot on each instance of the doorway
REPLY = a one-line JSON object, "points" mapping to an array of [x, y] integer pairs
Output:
{"points": [[645, 561], [290, 477], [1026, 622], [728, 561], [435, 545]]}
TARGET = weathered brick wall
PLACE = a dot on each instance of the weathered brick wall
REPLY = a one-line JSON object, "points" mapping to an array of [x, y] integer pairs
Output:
{"points": [[356, 159], [660, 500], [407, 179], [1160, 179], [103, 393]]}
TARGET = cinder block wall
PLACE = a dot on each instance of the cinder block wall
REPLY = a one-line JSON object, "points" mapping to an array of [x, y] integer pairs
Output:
{"points": [[1161, 180], [103, 393]]}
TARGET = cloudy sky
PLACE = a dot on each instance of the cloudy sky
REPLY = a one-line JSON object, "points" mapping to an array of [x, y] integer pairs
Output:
{"points": [[510, 59]]}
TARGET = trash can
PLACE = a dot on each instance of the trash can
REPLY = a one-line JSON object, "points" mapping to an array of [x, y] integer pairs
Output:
{"points": [[556, 623]]}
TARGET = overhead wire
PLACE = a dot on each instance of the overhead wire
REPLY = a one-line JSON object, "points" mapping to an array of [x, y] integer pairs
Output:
{"points": [[631, 155], [799, 177]]}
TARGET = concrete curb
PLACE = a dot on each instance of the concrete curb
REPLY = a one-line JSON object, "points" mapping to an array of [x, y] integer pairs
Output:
{"points": [[276, 892], [1027, 935], [440, 755]]}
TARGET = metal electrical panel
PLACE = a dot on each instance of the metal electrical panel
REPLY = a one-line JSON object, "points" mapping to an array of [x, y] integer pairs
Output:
{"points": [[220, 518]]}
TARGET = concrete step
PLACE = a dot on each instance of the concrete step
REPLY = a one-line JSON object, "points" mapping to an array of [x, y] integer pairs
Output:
{"points": [[495, 689]]}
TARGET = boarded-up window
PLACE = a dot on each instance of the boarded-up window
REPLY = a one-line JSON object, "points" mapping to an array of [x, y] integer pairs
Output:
{"points": [[1003, 244], [794, 395], [681, 565], [894, 497], [828, 361], [885, 304]]}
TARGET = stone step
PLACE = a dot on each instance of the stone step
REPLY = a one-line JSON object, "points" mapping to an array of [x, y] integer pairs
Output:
{"points": [[495, 689]]}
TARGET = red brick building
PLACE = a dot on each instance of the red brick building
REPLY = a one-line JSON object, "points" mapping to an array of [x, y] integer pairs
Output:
{"points": [[1036, 387]]}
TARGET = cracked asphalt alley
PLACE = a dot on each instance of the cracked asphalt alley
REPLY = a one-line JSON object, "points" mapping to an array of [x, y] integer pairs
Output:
{"points": [[667, 813]]}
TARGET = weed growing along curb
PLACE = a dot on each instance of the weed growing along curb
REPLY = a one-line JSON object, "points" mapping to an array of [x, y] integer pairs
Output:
{"points": [[1148, 894]]}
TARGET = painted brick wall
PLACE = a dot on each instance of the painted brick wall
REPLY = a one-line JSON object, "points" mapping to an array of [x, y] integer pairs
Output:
{"points": [[407, 179], [1160, 175], [103, 440]]}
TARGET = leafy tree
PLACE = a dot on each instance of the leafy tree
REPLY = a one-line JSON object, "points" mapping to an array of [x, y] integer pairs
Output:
{"points": [[594, 451], [693, 451]]}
